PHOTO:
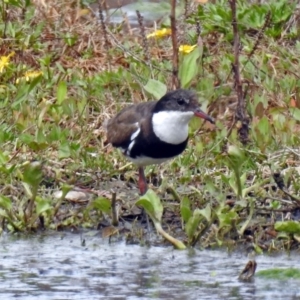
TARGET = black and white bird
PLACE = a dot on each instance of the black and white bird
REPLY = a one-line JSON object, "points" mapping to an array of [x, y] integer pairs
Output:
{"points": [[153, 132]]}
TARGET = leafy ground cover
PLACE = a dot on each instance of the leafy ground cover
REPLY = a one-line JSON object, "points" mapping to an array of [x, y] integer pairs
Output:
{"points": [[64, 73]]}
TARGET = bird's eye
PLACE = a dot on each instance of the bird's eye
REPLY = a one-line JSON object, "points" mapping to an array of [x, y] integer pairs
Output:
{"points": [[180, 101]]}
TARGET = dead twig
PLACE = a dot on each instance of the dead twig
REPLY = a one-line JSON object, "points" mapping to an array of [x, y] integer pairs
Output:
{"points": [[175, 61], [144, 39], [115, 218], [259, 37], [143, 35], [186, 9], [241, 119], [105, 35]]}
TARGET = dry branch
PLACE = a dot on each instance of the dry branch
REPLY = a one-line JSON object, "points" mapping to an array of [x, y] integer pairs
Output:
{"points": [[241, 118], [175, 79], [143, 35], [105, 35]]}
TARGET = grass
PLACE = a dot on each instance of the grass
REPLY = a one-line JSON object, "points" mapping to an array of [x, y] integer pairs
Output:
{"points": [[280, 274], [220, 192]]}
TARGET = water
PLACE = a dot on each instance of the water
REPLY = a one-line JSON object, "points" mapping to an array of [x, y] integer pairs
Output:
{"points": [[56, 266], [150, 10]]}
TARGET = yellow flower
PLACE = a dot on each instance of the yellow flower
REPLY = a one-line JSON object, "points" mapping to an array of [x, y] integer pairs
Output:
{"points": [[4, 61], [159, 33], [29, 75], [186, 49]]}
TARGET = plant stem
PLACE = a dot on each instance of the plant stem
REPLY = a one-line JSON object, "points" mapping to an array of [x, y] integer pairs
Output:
{"points": [[177, 244]]}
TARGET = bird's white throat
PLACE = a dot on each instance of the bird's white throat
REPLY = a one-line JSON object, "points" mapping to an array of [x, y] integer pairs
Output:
{"points": [[172, 126]]}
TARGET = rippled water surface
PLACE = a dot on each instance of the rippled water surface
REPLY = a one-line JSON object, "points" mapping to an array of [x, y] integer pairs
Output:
{"points": [[56, 266], [151, 10]]}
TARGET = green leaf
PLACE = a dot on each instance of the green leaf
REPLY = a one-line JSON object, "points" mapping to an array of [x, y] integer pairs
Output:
{"points": [[193, 223], [61, 92], [34, 82], [236, 157], [102, 204], [185, 209], [17, 3], [147, 206], [32, 173], [226, 218], [288, 226], [257, 249], [156, 88], [3, 213], [70, 40], [275, 204], [264, 126], [42, 205], [26, 138], [28, 189], [206, 212], [189, 67], [5, 203], [65, 189], [55, 134], [233, 183], [295, 112], [64, 150], [152, 204], [243, 179], [235, 152], [4, 158]]}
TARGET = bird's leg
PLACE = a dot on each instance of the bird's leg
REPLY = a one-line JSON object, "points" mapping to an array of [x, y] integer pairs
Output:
{"points": [[142, 181]]}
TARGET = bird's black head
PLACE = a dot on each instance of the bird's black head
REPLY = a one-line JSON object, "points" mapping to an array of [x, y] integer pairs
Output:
{"points": [[183, 101]]}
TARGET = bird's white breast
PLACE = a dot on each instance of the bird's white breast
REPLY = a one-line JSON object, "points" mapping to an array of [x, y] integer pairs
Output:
{"points": [[172, 126]]}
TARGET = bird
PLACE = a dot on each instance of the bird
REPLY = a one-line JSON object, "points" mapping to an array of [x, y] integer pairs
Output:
{"points": [[153, 132]]}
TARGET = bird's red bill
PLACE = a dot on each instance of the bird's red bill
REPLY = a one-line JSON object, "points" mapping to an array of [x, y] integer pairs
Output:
{"points": [[201, 114]]}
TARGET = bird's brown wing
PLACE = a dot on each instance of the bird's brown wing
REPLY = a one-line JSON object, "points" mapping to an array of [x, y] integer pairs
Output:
{"points": [[126, 122], [119, 137]]}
